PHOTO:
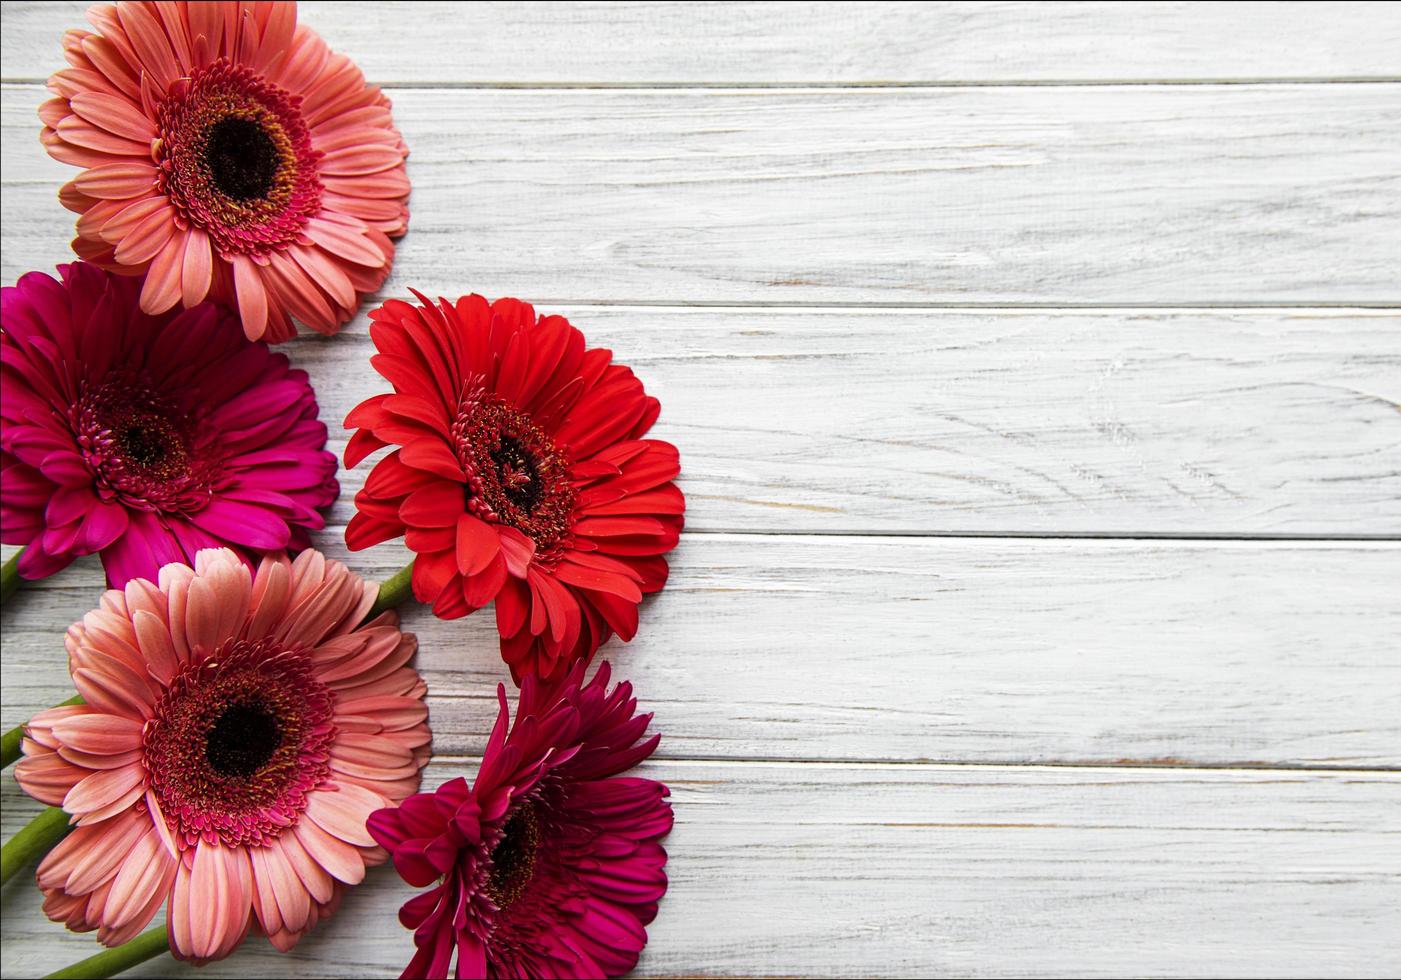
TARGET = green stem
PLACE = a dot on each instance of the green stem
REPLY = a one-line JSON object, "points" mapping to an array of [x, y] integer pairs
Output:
{"points": [[109, 962], [395, 591], [35, 838], [9, 576], [10, 741]]}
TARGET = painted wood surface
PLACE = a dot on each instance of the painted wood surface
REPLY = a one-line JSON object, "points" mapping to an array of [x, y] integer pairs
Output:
{"points": [[781, 42], [1110, 195], [856, 870], [1037, 374], [946, 650]]}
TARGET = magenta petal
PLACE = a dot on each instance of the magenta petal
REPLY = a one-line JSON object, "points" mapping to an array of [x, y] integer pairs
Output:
{"points": [[104, 524], [38, 563], [192, 540], [140, 552], [69, 505], [147, 437], [66, 469], [245, 524]]}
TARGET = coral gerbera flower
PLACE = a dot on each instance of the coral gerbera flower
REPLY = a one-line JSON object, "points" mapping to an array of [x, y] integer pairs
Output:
{"points": [[147, 438], [228, 153], [522, 475], [549, 865], [238, 732]]}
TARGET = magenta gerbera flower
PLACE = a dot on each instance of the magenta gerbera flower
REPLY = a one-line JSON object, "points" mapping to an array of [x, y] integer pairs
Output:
{"points": [[146, 438], [549, 865]]}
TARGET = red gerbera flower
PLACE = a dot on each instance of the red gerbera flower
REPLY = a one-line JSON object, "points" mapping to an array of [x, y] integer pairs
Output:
{"points": [[549, 865], [228, 153], [147, 438], [522, 475]]}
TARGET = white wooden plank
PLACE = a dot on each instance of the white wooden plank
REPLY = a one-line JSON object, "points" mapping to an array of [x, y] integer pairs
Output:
{"points": [[608, 43], [781, 870], [974, 650], [1271, 422], [996, 421], [1135, 195]]}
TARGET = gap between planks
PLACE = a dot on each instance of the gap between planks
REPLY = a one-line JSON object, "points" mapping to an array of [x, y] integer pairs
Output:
{"points": [[801, 85]]}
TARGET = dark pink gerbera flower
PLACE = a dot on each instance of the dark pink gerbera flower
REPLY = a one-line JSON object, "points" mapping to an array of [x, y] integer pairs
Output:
{"points": [[549, 865], [146, 438]]}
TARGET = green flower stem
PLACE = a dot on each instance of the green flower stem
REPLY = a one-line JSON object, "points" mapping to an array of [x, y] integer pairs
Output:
{"points": [[35, 838], [9, 576], [395, 591], [109, 962], [10, 741]]}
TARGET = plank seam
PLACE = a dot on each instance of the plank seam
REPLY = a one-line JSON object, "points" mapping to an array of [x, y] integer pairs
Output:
{"points": [[780, 762], [861, 86]]}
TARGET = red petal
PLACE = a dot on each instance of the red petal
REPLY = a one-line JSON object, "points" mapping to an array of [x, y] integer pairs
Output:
{"points": [[478, 544]]}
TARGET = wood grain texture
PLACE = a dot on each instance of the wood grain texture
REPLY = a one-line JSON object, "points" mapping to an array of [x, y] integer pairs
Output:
{"points": [[922, 288], [968, 650], [783, 870], [1127, 195], [767, 43], [999, 421]]}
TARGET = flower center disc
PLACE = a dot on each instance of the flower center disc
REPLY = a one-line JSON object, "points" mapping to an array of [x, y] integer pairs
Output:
{"points": [[242, 158], [513, 857], [140, 446], [243, 739], [150, 443], [515, 473], [236, 159], [237, 742]]}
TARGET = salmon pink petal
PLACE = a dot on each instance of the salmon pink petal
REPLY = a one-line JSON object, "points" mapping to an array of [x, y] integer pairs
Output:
{"points": [[240, 730], [283, 166], [97, 792]]}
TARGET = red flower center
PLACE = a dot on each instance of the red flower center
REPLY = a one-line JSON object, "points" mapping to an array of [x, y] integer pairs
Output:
{"points": [[236, 159], [237, 743], [515, 474], [141, 447]]}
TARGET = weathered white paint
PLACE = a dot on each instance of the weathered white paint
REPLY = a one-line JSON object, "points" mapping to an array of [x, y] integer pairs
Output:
{"points": [[765, 43], [914, 870], [1114, 195], [743, 248], [946, 649], [1278, 422]]}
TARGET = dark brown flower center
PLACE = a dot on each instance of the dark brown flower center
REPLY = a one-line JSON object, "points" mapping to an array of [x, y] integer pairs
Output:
{"points": [[513, 857], [150, 443], [515, 474], [242, 158], [243, 739], [237, 742], [236, 159], [142, 447]]}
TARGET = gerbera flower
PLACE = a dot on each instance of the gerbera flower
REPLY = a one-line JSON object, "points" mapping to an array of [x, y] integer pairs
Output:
{"points": [[227, 152], [239, 729], [549, 864], [522, 475], [147, 438]]}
